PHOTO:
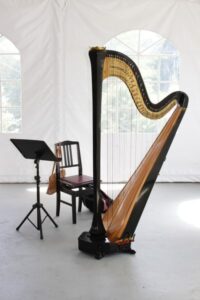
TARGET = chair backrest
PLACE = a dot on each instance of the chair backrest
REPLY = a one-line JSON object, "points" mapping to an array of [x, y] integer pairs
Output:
{"points": [[71, 155]]}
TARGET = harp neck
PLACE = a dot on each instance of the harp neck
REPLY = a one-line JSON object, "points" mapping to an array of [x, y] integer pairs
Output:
{"points": [[107, 63]]}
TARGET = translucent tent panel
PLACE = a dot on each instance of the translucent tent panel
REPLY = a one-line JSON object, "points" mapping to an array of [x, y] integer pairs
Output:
{"points": [[54, 38]]}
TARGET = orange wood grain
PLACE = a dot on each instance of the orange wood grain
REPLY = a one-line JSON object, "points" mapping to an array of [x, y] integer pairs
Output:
{"points": [[118, 214]]}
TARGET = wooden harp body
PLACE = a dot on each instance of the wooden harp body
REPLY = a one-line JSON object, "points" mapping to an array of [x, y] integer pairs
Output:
{"points": [[115, 231]]}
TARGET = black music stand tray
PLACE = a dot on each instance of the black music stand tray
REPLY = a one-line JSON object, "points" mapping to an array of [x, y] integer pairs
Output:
{"points": [[37, 150]]}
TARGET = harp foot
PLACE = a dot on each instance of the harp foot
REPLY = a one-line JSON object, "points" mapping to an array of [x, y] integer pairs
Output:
{"points": [[100, 248], [126, 248], [91, 246], [99, 255], [132, 251]]}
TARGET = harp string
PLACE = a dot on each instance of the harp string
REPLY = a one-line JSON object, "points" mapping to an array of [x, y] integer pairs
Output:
{"points": [[135, 93], [116, 135], [121, 227], [115, 228], [120, 134]]}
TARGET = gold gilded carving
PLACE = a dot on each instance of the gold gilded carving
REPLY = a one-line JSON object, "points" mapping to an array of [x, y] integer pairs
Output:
{"points": [[99, 48], [116, 67]]}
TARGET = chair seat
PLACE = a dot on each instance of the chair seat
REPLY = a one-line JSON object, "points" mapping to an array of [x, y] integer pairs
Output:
{"points": [[77, 180]]}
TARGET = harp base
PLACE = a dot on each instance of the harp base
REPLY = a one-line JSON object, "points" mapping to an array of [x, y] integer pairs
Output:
{"points": [[101, 248]]}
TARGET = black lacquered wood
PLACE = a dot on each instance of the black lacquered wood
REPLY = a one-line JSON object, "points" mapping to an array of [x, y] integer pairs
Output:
{"points": [[78, 185], [94, 241], [97, 230]]}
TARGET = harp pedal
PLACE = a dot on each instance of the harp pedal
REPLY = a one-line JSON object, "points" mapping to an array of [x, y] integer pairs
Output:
{"points": [[125, 241], [124, 245]]}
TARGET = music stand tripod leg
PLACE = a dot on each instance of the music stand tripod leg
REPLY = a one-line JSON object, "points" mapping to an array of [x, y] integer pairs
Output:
{"points": [[39, 222], [25, 218], [48, 215]]}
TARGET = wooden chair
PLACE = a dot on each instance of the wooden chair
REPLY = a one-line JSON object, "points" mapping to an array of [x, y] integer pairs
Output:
{"points": [[78, 185]]}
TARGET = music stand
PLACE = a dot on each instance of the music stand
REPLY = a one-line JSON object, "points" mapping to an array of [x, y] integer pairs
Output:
{"points": [[37, 150]]}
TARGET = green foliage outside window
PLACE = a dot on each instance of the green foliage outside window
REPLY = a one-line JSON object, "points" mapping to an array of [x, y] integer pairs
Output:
{"points": [[10, 87]]}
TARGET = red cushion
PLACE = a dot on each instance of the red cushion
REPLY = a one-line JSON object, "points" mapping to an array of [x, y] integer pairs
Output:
{"points": [[77, 180]]}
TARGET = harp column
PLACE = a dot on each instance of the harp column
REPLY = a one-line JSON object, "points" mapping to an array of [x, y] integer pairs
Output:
{"points": [[97, 56]]}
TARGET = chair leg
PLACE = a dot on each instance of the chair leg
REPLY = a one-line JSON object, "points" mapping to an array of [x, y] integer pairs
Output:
{"points": [[74, 209], [57, 203], [80, 201], [80, 204]]}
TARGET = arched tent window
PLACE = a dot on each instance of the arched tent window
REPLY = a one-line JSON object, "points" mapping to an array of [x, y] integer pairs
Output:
{"points": [[124, 129], [10, 87], [158, 62]]}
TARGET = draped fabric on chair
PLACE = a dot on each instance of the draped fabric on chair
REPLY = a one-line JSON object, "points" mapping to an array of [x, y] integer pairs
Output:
{"points": [[120, 221]]}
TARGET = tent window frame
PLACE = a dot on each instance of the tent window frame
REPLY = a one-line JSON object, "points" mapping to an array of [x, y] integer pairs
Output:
{"points": [[10, 87]]}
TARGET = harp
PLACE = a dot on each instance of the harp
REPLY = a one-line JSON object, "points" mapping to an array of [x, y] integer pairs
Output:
{"points": [[115, 231]]}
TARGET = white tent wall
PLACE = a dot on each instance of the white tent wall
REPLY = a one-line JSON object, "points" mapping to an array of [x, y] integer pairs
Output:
{"points": [[54, 37], [28, 24]]}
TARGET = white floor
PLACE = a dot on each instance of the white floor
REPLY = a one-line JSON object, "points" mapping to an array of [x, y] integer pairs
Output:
{"points": [[166, 265]]}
